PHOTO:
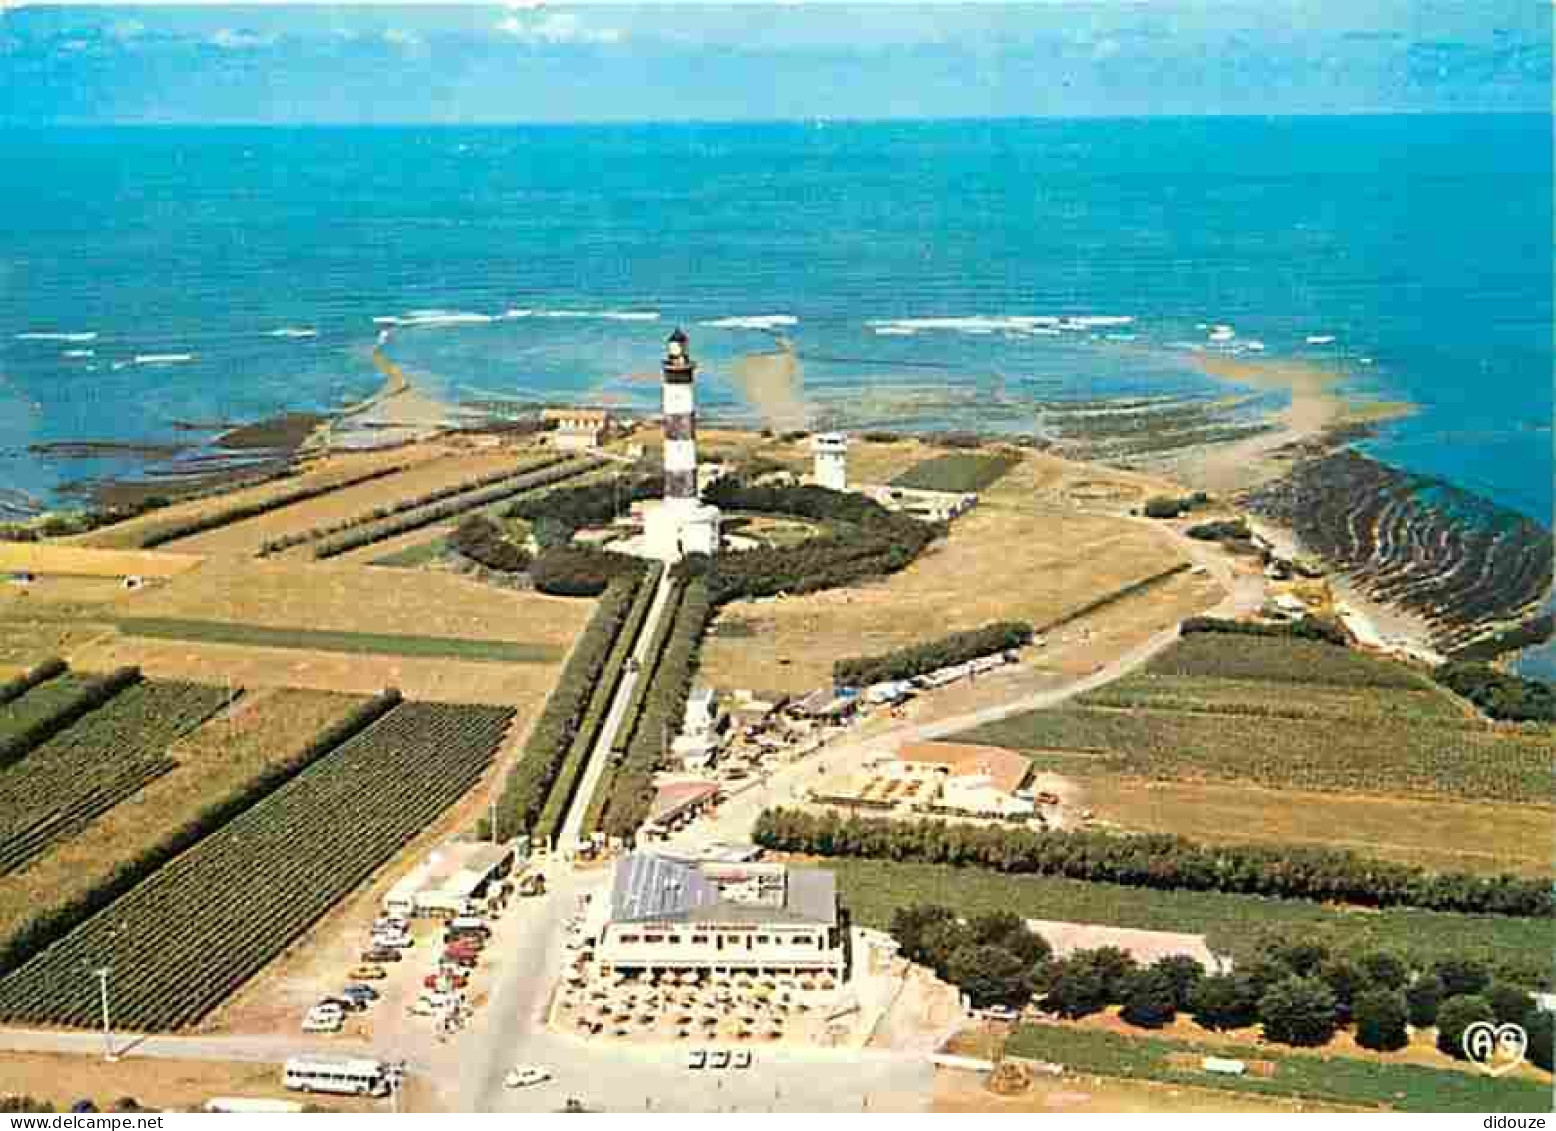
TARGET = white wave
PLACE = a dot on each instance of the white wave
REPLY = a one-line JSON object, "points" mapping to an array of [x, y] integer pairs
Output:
{"points": [[52, 336], [1222, 333], [1256, 347], [753, 322], [1041, 332], [513, 314], [293, 332], [973, 324], [1320, 339], [386, 320], [1366, 361], [161, 358], [79, 353], [895, 331], [604, 315], [1121, 337], [1090, 320], [434, 318]]}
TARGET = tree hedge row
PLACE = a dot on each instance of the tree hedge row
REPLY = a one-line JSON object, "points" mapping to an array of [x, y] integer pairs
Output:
{"points": [[1499, 695], [632, 783], [1159, 861], [402, 519], [481, 540], [529, 783], [199, 524], [595, 504], [50, 924], [17, 686], [89, 698], [918, 659], [566, 784], [1322, 629]]}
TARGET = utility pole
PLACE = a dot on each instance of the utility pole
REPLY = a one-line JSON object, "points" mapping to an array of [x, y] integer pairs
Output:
{"points": [[101, 974]]}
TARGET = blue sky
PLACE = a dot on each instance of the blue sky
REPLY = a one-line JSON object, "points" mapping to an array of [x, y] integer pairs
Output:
{"points": [[537, 62]]}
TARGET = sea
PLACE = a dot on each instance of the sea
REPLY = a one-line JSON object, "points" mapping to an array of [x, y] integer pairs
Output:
{"points": [[927, 275]]}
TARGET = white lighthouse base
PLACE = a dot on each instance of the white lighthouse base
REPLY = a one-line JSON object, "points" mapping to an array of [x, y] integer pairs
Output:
{"points": [[674, 528]]}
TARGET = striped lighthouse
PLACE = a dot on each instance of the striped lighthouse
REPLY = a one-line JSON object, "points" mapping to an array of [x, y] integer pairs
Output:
{"points": [[680, 422]]}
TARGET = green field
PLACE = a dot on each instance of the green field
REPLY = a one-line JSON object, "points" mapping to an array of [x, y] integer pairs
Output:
{"points": [[1351, 1081], [39, 703], [873, 889], [957, 471], [361, 643], [1292, 714]]}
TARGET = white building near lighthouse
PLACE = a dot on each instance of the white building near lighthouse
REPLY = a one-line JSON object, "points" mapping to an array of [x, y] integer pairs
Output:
{"points": [[680, 523], [831, 452]]}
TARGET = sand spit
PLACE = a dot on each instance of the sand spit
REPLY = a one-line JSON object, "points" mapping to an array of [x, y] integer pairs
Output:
{"points": [[774, 384], [397, 413]]}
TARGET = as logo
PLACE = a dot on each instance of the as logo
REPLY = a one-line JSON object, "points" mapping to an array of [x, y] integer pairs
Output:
{"points": [[1496, 1048]]}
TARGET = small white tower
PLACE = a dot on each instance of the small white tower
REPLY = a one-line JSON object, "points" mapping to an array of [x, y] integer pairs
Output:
{"points": [[831, 449]]}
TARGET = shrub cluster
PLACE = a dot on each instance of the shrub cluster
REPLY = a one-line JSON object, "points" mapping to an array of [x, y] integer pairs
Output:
{"points": [[664, 706], [1221, 530], [993, 958], [479, 539], [568, 510], [226, 516], [88, 699], [413, 514], [917, 659], [1499, 695], [579, 571], [529, 783], [17, 686], [1308, 628], [53, 923], [1158, 861], [1168, 506]]}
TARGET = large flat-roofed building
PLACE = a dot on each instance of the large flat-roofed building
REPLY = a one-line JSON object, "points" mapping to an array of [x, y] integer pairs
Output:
{"points": [[666, 914]]}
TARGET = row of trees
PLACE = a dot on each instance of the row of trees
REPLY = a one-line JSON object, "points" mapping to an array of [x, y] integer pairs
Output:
{"points": [[529, 782], [1323, 629], [663, 708], [50, 923], [1157, 860], [19, 685], [917, 659], [1500, 695], [481, 540], [1300, 993]]}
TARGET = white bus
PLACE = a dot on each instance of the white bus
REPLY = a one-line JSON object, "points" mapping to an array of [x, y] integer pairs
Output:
{"points": [[347, 1076]]}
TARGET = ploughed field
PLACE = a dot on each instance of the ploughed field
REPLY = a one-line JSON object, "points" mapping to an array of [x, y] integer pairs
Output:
{"points": [[1285, 714], [1460, 562], [196, 928]]}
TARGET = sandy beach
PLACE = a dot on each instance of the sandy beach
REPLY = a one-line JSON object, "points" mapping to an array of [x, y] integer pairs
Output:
{"points": [[397, 413]]}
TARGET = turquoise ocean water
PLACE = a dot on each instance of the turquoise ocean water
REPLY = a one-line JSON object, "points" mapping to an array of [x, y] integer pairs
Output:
{"points": [[930, 275]]}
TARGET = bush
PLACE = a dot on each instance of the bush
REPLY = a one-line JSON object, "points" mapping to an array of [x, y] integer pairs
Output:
{"points": [[479, 539], [919, 659], [1456, 1015], [1165, 506], [991, 975], [1384, 970], [1380, 1020], [1500, 695], [1009, 931], [1222, 530], [1423, 998], [1462, 977], [1224, 1001], [1154, 860], [1182, 973], [1298, 1011], [909, 925], [1509, 1003], [1539, 1029], [1345, 980], [1075, 987], [1150, 998], [574, 571]]}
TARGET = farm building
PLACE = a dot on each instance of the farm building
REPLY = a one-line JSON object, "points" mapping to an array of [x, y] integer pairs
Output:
{"points": [[952, 779], [449, 879], [676, 801], [578, 429], [666, 914]]}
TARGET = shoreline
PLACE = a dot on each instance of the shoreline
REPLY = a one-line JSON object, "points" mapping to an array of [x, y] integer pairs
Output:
{"points": [[397, 412]]}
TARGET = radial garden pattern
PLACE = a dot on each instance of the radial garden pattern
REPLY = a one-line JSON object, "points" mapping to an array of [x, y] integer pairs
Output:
{"points": [[188, 936]]}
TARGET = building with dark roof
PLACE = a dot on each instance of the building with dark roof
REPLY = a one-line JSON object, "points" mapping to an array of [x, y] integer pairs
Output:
{"points": [[665, 914]]}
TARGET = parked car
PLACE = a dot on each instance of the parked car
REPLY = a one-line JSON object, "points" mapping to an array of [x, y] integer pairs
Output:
{"points": [[395, 939], [718, 1058], [463, 961], [998, 1013], [453, 979], [526, 1076], [696, 1058], [470, 941], [470, 923], [357, 991], [381, 954], [367, 973], [324, 1018]]}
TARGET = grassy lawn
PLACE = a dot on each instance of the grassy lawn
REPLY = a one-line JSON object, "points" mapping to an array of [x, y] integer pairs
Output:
{"points": [[1337, 1079], [219, 632], [873, 889], [957, 471], [413, 556]]}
